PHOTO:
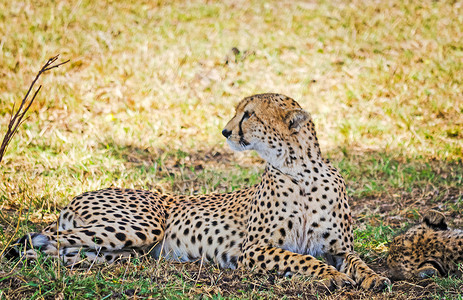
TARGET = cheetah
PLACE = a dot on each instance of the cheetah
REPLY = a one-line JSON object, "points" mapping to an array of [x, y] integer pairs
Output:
{"points": [[299, 211], [428, 249]]}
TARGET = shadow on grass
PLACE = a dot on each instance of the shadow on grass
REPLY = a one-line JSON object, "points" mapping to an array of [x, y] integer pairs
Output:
{"points": [[138, 157], [203, 171]]}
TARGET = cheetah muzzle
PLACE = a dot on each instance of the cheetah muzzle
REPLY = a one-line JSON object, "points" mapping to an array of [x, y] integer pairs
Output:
{"points": [[298, 211]]}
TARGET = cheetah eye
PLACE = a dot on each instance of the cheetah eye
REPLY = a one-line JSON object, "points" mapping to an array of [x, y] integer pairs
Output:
{"points": [[247, 115]]}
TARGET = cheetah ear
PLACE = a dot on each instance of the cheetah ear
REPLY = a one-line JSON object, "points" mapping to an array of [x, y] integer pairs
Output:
{"points": [[435, 220], [296, 118]]}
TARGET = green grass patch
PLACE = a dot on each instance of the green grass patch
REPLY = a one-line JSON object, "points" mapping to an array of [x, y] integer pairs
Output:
{"points": [[372, 240]]}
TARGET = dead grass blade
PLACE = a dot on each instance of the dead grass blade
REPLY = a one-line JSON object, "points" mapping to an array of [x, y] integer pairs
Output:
{"points": [[15, 232]]}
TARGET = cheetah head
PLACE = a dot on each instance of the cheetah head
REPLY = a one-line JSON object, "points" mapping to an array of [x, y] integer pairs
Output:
{"points": [[273, 125], [419, 253]]}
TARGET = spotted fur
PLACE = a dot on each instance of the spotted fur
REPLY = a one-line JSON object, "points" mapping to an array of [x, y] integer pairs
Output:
{"points": [[297, 212], [427, 249]]}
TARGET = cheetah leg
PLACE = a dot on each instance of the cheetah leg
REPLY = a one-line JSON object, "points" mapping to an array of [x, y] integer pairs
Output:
{"points": [[287, 263], [357, 269], [104, 239], [108, 237], [80, 257]]}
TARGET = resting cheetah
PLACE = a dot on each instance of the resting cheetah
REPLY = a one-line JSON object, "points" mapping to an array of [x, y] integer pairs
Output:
{"points": [[297, 212], [428, 249]]}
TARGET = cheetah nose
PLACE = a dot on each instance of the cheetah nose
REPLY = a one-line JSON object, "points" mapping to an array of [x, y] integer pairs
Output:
{"points": [[226, 133]]}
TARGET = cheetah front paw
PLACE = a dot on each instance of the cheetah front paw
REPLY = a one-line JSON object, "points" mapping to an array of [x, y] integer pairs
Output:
{"points": [[336, 279], [375, 282]]}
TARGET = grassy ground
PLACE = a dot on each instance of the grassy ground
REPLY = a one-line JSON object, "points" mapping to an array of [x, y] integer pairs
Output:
{"points": [[151, 84]]}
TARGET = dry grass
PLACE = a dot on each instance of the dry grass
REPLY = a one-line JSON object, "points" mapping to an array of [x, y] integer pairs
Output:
{"points": [[151, 84]]}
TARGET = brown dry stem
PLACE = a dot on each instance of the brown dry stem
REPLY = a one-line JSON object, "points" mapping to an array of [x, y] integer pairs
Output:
{"points": [[17, 118]]}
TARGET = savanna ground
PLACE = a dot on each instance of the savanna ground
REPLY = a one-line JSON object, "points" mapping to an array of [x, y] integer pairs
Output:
{"points": [[151, 84]]}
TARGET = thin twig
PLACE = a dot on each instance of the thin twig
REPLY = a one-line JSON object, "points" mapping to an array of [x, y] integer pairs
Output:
{"points": [[199, 272], [17, 118], [94, 260]]}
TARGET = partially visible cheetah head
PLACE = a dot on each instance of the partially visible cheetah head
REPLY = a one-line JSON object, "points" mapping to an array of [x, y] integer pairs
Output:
{"points": [[274, 125], [425, 250]]}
